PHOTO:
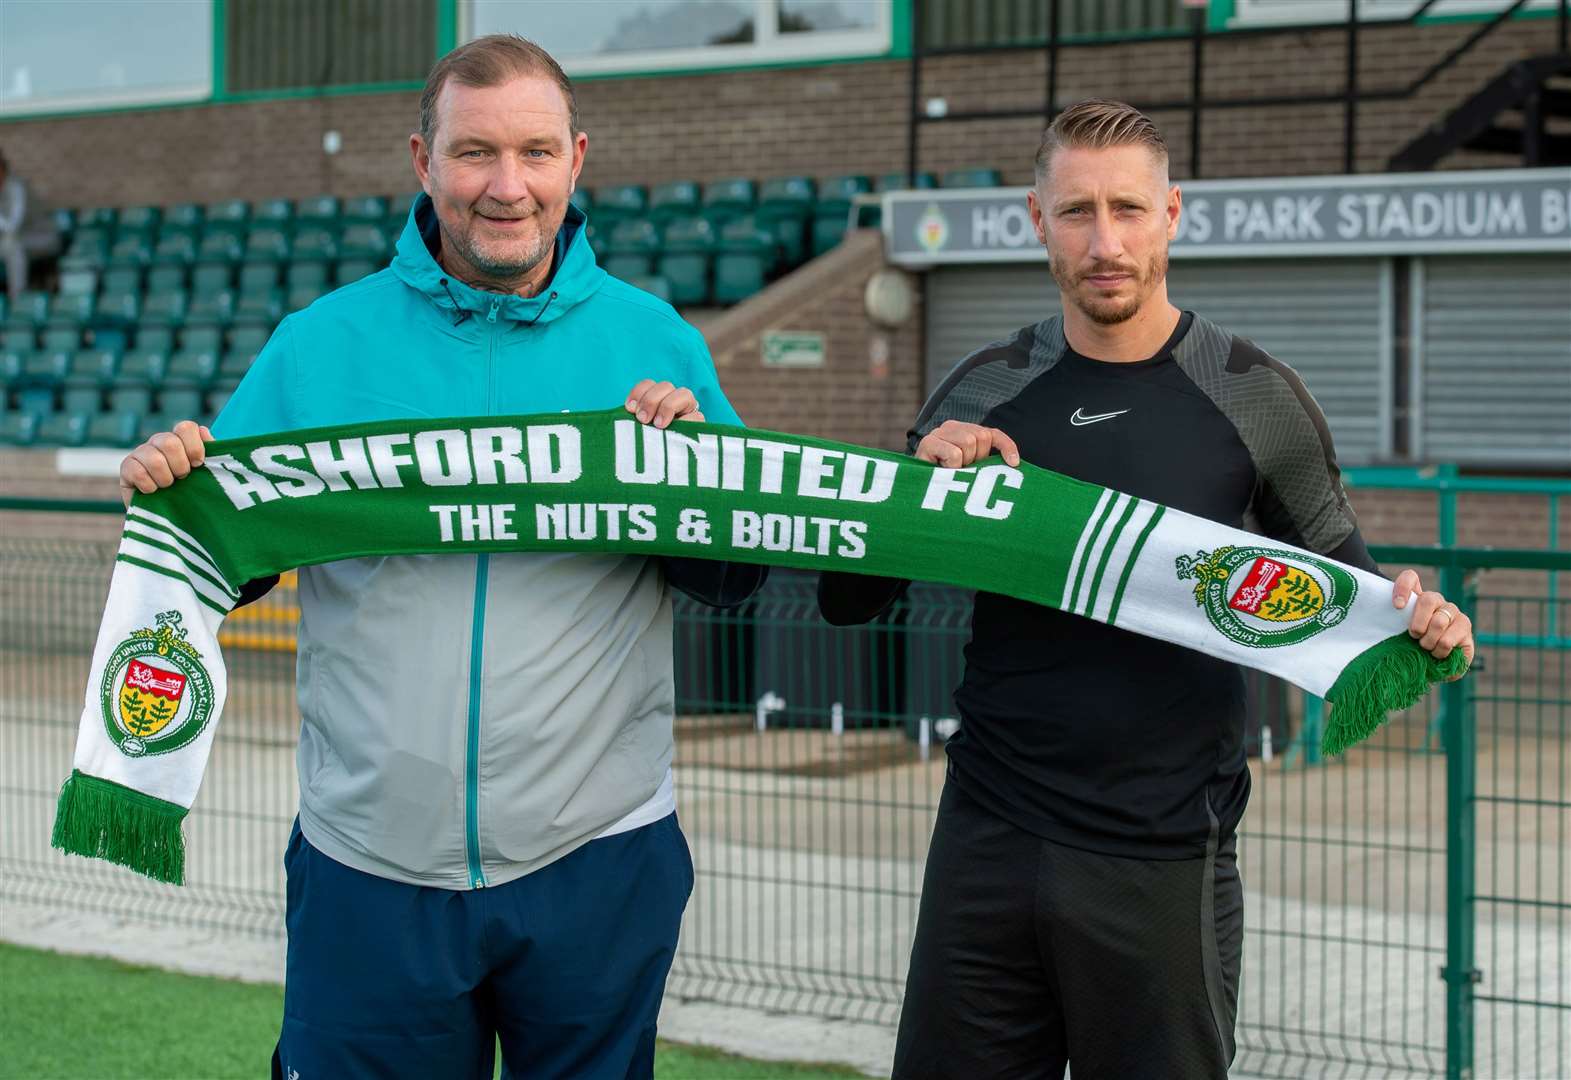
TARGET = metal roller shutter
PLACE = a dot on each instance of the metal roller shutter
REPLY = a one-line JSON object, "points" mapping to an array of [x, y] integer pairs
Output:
{"points": [[1327, 318], [1492, 371]]}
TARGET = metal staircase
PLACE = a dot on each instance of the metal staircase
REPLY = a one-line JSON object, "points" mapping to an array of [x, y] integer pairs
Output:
{"points": [[1510, 114]]}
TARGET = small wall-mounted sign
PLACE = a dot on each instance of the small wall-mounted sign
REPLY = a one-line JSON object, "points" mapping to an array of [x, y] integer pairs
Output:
{"points": [[793, 348]]}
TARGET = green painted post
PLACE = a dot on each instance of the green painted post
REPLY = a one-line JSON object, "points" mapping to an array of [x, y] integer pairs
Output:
{"points": [[446, 27], [1461, 746], [220, 51]]}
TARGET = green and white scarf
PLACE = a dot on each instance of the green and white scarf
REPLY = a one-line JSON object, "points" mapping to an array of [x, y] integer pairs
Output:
{"points": [[601, 482]]}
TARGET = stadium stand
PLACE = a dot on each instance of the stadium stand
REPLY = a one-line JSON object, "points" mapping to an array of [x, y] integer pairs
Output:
{"points": [[160, 310]]}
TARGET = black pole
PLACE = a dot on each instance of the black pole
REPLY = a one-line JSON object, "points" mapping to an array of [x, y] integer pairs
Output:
{"points": [[1564, 20], [916, 89], [1052, 60], [1196, 67], [1350, 121]]}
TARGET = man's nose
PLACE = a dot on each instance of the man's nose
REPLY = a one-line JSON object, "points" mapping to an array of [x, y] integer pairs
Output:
{"points": [[1106, 246], [507, 181]]}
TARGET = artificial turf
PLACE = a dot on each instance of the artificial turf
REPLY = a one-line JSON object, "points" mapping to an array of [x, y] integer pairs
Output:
{"points": [[85, 1018]]}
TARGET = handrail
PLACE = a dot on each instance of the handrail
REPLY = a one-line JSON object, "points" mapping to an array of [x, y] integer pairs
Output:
{"points": [[1351, 95]]}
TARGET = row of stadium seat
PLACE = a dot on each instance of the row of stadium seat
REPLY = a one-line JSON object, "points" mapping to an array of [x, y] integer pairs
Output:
{"points": [[681, 198], [109, 428]]}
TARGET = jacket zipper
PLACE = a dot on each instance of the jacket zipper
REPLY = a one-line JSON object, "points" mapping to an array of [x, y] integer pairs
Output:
{"points": [[477, 655]]}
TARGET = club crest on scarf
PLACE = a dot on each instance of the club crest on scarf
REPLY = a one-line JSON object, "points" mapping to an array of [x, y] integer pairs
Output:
{"points": [[1263, 597], [156, 693]]}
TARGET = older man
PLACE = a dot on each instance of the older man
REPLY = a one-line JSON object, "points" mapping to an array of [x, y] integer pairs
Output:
{"points": [[1082, 901], [487, 845]]}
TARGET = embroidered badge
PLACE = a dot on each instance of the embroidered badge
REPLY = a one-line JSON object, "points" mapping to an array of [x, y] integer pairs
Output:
{"points": [[156, 693], [1263, 597]]}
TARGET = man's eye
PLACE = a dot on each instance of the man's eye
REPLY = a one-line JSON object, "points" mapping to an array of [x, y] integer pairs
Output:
{"points": [[539, 153], [474, 153]]}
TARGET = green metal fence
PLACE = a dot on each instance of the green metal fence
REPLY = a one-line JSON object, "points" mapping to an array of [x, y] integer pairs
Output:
{"points": [[1407, 905]]}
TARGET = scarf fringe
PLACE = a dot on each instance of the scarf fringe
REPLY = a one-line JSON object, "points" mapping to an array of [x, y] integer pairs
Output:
{"points": [[105, 820], [1387, 677]]}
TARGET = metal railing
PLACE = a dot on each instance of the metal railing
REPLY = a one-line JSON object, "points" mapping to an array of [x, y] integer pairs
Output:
{"points": [[1350, 97], [1407, 905]]}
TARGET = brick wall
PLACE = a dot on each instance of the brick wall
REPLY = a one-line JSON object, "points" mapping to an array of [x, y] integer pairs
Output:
{"points": [[837, 118], [869, 388]]}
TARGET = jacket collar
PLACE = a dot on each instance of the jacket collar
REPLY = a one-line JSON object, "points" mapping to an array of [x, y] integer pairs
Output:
{"points": [[574, 279]]}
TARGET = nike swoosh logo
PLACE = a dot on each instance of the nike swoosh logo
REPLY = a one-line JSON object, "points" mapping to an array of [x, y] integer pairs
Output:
{"points": [[1081, 420]]}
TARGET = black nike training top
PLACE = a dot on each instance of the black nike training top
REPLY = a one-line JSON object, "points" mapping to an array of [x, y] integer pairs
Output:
{"points": [[1076, 731]]}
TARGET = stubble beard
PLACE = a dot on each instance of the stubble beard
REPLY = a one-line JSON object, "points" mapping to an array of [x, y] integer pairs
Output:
{"points": [[1105, 312]]}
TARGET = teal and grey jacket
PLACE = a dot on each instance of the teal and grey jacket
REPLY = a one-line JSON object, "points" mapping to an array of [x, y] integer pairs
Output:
{"points": [[466, 720]]}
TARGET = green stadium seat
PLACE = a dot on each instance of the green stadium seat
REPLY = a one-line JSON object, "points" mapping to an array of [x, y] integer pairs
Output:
{"points": [[654, 285], [785, 205], [63, 429], [140, 219], [267, 242], [39, 400], [621, 202], [135, 249], [304, 296], [18, 428], [141, 367], [221, 245], [236, 362], [277, 212], [29, 309], [582, 198], [215, 307], [634, 245], [123, 305], [727, 200], [46, 367], [973, 178], [112, 429], [249, 337], [183, 216], [169, 307], [257, 277], [176, 249], [315, 242], [318, 210], [18, 339], [365, 208], [746, 258], [92, 367], [202, 337], [80, 282], [925, 181], [363, 242], [137, 400], [163, 278], [677, 199], [82, 399], [265, 304], [833, 209], [87, 250], [213, 277], [348, 271], [153, 423], [155, 335], [311, 272], [111, 336], [122, 278], [686, 259], [217, 398], [98, 217], [65, 220], [599, 240], [11, 362], [398, 207], [75, 309], [60, 336], [181, 401]]}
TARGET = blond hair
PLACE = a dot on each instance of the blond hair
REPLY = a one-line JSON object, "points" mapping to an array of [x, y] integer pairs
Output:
{"points": [[491, 61], [1095, 125]]}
